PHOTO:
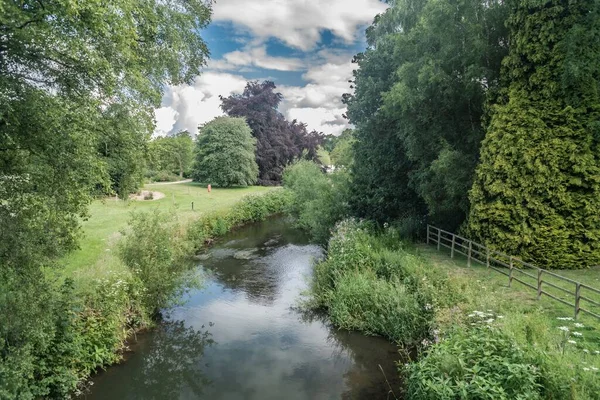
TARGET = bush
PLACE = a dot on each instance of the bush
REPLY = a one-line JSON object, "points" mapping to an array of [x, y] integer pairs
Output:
{"points": [[251, 208], [154, 250], [481, 363], [320, 200], [375, 306]]}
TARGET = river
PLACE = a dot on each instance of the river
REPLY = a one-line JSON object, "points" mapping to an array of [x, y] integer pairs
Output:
{"points": [[242, 336]]}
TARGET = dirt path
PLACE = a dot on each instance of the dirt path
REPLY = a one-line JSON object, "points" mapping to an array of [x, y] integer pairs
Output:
{"points": [[171, 183]]}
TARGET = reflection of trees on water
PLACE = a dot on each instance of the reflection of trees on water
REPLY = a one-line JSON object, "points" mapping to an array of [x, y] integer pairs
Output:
{"points": [[367, 353], [172, 363]]}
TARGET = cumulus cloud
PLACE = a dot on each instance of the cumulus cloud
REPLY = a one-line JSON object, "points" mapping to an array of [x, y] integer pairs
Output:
{"points": [[319, 102], [299, 23], [257, 57], [184, 107]]}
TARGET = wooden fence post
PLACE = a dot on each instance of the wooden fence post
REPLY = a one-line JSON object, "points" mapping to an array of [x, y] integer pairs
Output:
{"points": [[469, 256], [539, 283], [452, 248], [577, 297], [487, 257], [427, 233], [510, 272], [439, 238]]}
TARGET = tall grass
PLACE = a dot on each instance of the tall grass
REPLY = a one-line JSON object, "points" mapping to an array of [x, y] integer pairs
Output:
{"points": [[471, 344]]}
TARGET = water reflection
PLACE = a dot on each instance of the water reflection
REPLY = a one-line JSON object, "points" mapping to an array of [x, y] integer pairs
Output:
{"points": [[166, 363], [266, 348]]}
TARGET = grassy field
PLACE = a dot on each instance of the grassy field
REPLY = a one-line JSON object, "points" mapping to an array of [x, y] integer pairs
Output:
{"points": [[108, 217], [519, 294]]}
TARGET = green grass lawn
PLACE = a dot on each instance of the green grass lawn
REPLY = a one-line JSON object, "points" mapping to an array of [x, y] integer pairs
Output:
{"points": [[101, 231], [518, 294]]}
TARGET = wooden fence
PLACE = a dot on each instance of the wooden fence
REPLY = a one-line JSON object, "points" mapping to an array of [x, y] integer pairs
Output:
{"points": [[518, 270]]}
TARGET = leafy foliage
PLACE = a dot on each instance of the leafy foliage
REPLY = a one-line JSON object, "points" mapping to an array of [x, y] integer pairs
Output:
{"points": [[225, 153], [171, 155], [320, 201], [78, 84], [278, 141], [482, 363], [537, 191], [419, 105], [154, 250]]}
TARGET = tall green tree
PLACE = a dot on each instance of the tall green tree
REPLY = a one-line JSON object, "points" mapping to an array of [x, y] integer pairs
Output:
{"points": [[537, 188], [172, 153], [419, 105], [225, 154], [278, 142], [78, 84]]}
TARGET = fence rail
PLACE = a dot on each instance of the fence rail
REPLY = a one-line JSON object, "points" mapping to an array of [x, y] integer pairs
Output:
{"points": [[509, 265]]}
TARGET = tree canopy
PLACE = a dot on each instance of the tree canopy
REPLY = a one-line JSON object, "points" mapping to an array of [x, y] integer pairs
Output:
{"points": [[537, 188], [279, 142], [419, 106], [225, 153], [78, 84], [172, 154]]}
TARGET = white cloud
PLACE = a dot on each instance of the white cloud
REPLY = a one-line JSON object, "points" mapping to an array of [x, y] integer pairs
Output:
{"points": [[185, 107], [298, 23], [257, 57], [319, 103]]}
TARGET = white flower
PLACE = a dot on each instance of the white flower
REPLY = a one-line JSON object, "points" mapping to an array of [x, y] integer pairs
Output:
{"points": [[594, 368], [586, 351], [500, 316], [489, 321], [578, 325], [564, 328], [572, 341], [597, 352], [565, 318], [578, 334], [586, 369]]}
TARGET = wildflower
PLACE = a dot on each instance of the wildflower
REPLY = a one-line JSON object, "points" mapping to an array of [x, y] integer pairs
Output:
{"points": [[500, 316], [578, 325], [428, 306], [597, 352], [572, 341], [586, 351], [594, 368], [489, 321], [565, 318], [564, 328], [586, 369], [578, 334]]}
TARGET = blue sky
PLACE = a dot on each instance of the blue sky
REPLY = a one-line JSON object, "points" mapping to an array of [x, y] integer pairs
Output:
{"points": [[304, 46]]}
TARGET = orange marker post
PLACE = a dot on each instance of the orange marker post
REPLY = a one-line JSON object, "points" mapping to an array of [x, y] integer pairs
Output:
{"points": [[209, 188]]}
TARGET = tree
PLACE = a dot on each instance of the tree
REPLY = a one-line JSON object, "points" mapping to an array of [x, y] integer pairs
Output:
{"points": [[429, 71], [78, 84], [172, 153], [537, 189], [342, 153], [225, 153], [279, 142]]}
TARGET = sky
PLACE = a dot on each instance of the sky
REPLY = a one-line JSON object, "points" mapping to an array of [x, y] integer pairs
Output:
{"points": [[304, 46]]}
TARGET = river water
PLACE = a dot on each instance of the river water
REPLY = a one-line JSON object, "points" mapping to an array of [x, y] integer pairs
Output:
{"points": [[241, 336]]}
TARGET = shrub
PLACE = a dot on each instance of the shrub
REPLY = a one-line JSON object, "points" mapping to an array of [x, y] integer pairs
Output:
{"points": [[375, 306], [320, 200], [480, 363], [252, 208], [154, 251]]}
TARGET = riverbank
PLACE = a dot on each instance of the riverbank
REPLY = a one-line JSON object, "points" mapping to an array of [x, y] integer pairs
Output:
{"points": [[97, 309], [108, 217], [471, 334]]}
